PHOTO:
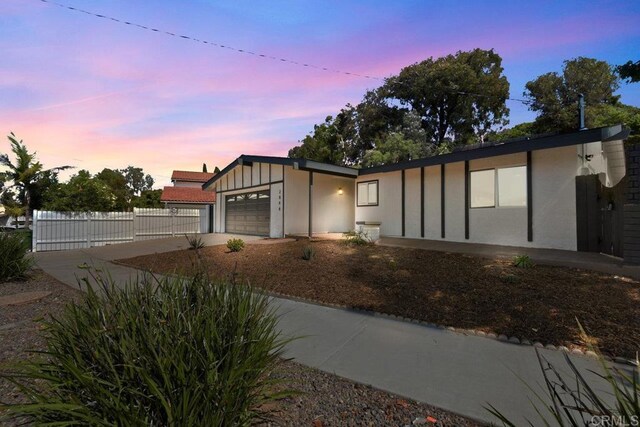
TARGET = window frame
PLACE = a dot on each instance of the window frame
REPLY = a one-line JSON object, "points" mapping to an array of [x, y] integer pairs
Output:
{"points": [[377, 182], [496, 188], [500, 205]]}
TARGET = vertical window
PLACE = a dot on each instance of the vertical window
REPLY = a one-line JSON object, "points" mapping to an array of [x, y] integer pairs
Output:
{"points": [[512, 186], [483, 189], [368, 193]]}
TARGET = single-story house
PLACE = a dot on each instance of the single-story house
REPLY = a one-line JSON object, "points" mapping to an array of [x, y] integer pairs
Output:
{"points": [[531, 192], [187, 193]]}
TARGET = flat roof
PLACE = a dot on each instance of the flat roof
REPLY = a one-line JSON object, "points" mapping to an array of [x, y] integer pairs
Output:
{"points": [[520, 145], [464, 153]]}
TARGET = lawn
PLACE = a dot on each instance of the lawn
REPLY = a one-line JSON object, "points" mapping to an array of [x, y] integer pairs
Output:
{"points": [[491, 295]]}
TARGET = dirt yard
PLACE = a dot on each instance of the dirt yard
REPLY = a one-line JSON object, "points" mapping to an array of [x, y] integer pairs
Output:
{"points": [[539, 304], [324, 399]]}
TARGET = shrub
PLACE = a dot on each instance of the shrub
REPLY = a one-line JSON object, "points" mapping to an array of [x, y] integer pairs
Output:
{"points": [[523, 261], [308, 253], [235, 245], [356, 237], [195, 242], [14, 261], [171, 351]]}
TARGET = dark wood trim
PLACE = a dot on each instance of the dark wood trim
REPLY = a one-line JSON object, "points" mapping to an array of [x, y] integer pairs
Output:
{"points": [[466, 199], [310, 204], [529, 198], [249, 188], [403, 180], [422, 197], [442, 197]]}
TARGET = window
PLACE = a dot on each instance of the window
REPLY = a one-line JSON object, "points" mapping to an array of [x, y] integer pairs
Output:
{"points": [[368, 193], [512, 186], [504, 187], [483, 189]]}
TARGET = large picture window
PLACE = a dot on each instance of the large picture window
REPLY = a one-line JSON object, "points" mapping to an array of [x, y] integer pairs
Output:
{"points": [[368, 193], [503, 187]]}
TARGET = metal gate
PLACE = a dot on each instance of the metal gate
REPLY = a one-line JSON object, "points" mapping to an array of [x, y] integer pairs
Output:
{"points": [[248, 213], [600, 215]]}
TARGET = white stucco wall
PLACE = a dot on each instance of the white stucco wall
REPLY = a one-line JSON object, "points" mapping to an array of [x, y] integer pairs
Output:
{"points": [[553, 213], [277, 211], [187, 184], [296, 193], [333, 212], [389, 206]]}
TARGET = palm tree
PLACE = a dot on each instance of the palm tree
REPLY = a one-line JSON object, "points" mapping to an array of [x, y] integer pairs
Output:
{"points": [[24, 173]]}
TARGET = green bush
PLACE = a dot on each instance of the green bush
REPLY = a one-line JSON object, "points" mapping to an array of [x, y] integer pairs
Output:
{"points": [[356, 237], [235, 245], [195, 242], [308, 253], [522, 261], [165, 352], [14, 262]]}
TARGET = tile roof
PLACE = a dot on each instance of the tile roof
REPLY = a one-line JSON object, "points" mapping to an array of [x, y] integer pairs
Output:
{"points": [[187, 195], [191, 176]]}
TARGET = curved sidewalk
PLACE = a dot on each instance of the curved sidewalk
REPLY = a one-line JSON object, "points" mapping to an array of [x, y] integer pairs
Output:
{"points": [[456, 372]]}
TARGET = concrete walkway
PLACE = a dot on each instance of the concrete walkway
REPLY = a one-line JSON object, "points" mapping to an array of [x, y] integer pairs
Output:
{"points": [[584, 260], [456, 372]]}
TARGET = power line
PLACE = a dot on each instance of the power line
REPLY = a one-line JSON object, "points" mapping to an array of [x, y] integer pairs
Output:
{"points": [[248, 52]]}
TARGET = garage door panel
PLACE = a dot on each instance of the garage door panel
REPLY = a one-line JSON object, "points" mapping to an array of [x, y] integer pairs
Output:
{"points": [[248, 213]]}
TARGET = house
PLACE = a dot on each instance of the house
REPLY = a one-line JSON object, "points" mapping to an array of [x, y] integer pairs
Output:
{"points": [[187, 193], [534, 192]]}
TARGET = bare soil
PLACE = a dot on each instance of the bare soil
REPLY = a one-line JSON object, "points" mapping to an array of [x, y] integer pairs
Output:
{"points": [[540, 303], [322, 400]]}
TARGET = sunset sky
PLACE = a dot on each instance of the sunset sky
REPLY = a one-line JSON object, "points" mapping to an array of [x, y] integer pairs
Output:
{"points": [[95, 93]]}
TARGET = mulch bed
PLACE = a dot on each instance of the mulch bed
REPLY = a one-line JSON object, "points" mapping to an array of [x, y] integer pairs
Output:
{"points": [[323, 399], [491, 295]]}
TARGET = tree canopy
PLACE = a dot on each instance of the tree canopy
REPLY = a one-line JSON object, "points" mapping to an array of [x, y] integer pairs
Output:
{"points": [[630, 71], [428, 107]]}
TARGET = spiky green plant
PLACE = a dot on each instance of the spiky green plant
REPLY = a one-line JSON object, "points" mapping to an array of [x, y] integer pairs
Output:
{"points": [[195, 241], [14, 260], [308, 253], [162, 352], [569, 400]]}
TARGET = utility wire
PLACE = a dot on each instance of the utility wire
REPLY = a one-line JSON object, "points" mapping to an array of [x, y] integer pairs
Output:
{"points": [[248, 52]]}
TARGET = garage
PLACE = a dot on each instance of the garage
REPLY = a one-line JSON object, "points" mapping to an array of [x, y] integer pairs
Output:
{"points": [[248, 213]]}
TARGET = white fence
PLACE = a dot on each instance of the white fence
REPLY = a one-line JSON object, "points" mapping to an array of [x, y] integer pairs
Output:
{"points": [[57, 231]]}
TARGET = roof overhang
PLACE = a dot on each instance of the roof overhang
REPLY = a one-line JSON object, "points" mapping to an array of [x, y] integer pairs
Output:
{"points": [[296, 163], [609, 133]]}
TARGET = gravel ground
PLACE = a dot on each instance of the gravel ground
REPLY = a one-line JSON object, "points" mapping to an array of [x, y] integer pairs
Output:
{"points": [[324, 399], [540, 303]]}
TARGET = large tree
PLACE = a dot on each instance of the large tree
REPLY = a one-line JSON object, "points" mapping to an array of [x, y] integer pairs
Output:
{"points": [[629, 71], [136, 179], [460, 98], [24, 173], [117, 183], [555, 96], [82, 193]]}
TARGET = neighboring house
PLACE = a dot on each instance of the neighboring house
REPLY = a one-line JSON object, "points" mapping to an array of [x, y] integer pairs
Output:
{"points": [[187, 193], [533, 192]]}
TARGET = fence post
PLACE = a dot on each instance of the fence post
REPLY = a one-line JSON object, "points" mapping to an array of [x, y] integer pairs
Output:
{"points": [[88, 214], [34, 231]]}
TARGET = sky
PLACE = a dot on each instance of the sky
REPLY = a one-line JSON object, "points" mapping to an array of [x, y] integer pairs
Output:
{"points": [[94, 93]]}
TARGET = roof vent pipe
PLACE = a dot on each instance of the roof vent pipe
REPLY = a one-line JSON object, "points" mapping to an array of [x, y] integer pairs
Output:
{"points": [[581, 112]]}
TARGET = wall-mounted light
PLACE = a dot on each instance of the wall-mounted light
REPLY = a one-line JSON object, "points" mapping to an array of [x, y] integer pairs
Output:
{"points": [[340, 191]]}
